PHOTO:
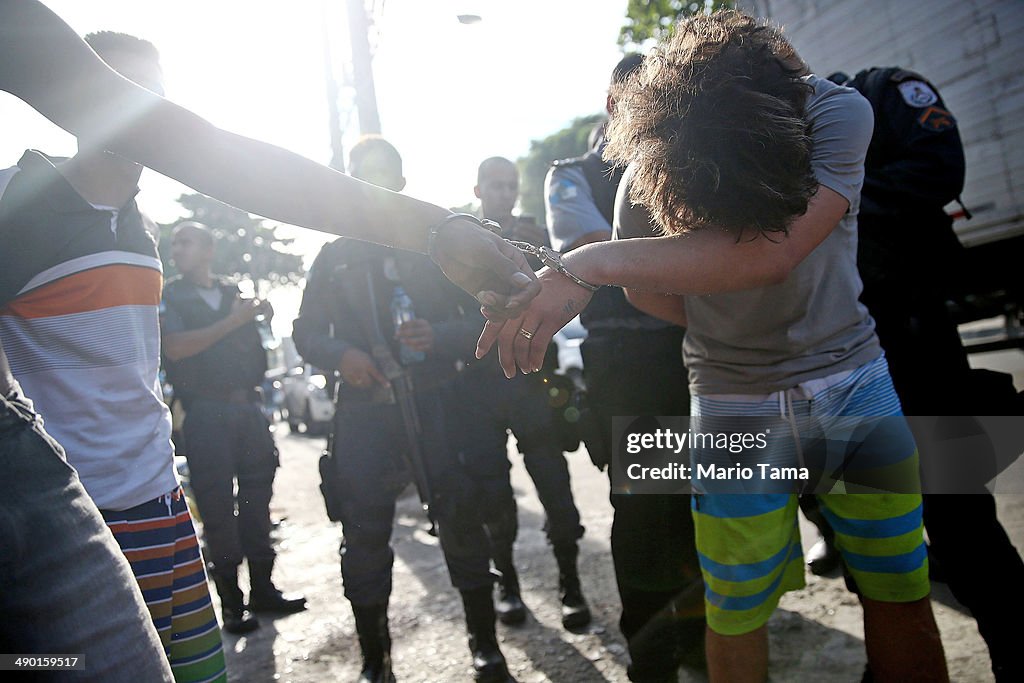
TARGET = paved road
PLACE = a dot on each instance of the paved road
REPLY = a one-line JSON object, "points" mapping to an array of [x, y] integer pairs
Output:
{"points": [[817, 635]]}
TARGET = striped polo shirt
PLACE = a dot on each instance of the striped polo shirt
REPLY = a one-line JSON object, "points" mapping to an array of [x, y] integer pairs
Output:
{"points": [[79, 296]]}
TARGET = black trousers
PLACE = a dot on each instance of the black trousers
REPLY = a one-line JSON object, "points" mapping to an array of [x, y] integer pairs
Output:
{"points": [[224, 443], [656, 566], [370, 473], [932, 377], [484, 407]]}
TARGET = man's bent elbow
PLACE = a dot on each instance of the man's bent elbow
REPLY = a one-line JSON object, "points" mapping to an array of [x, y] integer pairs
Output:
{"points": [[777, 270]]}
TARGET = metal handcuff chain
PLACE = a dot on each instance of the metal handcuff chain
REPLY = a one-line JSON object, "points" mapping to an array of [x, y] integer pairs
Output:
{"points": [[548, 256], [553, 260]]}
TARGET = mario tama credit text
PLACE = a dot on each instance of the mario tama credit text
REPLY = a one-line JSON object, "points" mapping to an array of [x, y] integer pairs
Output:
{"points": [[681, 455], [804, 454]]}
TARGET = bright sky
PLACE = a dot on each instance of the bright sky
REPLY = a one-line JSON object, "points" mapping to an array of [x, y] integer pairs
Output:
{"points": [[449, 94]]}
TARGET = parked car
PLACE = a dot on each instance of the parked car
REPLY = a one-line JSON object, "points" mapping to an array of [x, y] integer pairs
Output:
{"points": [[568, 340], [306, 400]]}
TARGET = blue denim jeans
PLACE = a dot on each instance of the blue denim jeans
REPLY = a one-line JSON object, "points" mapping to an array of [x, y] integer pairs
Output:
{"points": [[65, 586]]}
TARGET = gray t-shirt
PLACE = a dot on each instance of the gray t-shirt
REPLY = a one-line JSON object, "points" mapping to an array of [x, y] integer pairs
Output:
{"points": [[763, 340]]}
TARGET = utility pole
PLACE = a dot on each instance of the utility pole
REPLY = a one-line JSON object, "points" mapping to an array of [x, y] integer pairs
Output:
{"points": [[362, 68], [333, 114]]}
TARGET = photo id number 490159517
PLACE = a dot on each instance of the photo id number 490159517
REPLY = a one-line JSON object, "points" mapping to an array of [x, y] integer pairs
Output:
{"points": [[42, 662]]}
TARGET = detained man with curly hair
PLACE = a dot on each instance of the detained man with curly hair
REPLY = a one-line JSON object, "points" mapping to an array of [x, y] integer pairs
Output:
{"points": [[743, 183]]}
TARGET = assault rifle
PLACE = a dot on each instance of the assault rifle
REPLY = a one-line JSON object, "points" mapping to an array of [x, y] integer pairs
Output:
{"points": [[357, 281]]}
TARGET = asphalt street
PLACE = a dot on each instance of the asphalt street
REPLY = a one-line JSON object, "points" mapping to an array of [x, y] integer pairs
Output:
{"points": [[816, 635]]}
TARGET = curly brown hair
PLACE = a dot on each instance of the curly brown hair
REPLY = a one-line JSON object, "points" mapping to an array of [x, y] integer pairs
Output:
{"points": [[714, 126]]}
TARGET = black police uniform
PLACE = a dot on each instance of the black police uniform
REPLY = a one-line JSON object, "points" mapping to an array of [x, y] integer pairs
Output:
{"points": [[366, 471], [226, 435], [487, 405], [909, 259], [370, 436], [632, 365], [908, 254]]}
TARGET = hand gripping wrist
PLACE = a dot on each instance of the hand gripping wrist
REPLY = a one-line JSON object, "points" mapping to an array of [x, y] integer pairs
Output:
{"points": [[435, 231]]}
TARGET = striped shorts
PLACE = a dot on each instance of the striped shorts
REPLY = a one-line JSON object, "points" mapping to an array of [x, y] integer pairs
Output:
{"points": [[161, 545], [749, 543]]}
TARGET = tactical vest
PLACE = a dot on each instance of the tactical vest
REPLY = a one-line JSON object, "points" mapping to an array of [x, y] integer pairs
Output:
{"points": [[238, 361]]}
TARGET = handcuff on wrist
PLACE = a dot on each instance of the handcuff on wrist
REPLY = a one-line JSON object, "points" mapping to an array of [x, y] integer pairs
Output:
{"points": [[553, 260], [548, 256], [484, 223]]}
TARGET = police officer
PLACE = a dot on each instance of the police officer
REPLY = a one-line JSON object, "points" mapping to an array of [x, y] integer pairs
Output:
{"points": [[909, 258], [632, 365], [371, 461], [488, 406], [216, 362], [908, 254]]}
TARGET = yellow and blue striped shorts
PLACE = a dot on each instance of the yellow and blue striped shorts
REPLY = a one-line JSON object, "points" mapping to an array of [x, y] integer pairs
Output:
{"points": [[749, 543]]}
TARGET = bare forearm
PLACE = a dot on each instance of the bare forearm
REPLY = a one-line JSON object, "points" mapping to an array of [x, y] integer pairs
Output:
{"points": [[696, 263], [83, 96], [178, 345], [589, 238], [709, 260], [272, 182]]}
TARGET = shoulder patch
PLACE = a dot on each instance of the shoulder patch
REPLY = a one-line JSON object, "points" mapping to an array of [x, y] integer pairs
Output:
{"points": [[917, 93], [563, 191], [936, 119]]}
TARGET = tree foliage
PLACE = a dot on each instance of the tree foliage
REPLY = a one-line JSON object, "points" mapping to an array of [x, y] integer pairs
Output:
{"points": [[571, 141], [650, 21], [244, 246]]}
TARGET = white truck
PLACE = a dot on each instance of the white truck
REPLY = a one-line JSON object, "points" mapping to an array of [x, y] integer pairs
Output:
{"points": [[973, 51]]}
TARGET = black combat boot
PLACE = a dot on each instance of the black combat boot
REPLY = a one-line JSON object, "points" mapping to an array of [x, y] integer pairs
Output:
{"points": [[488, 662], [237, 619], [510, 608], [264, 595], [375, 643], [823, 557], [575, 613]]}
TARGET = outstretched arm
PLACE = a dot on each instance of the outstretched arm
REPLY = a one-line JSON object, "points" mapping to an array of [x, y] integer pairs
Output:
{"points": [[43, 62]]}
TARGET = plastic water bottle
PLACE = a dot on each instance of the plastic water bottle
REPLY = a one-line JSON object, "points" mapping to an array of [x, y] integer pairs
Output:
{"points": [[401, 312]]}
